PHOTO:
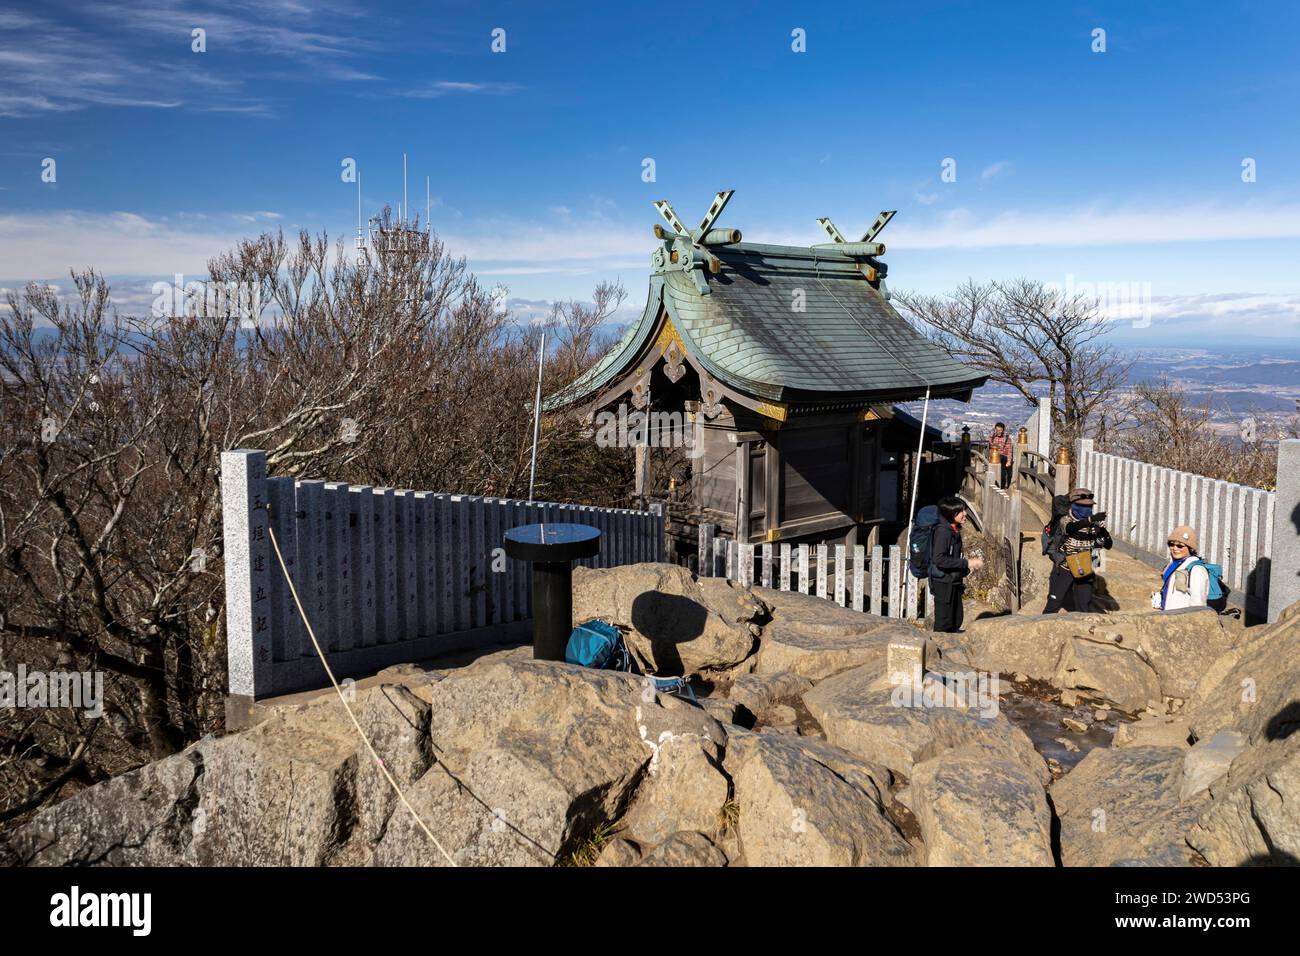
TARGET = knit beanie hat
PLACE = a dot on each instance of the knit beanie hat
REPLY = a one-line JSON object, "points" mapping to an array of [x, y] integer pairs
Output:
{"points": [[1186, 535]]}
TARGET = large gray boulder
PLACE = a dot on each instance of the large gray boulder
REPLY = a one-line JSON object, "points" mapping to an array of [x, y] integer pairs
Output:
{"points": [[1109, 671], [141, 818], [977, 810], [1209, 760], [1018, 644], [1123, 805], [1255, 814], [686, 791], [1178, 647], [508, 761], [1253, 688], [816, 638], [861, 714], [550, 752], [804, 804], [677, 623]]}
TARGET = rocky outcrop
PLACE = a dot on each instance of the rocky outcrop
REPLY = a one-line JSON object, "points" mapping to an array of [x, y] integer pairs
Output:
{"points": [[815, 638], [977, 810], [803, 805], [677, 623], [508, 762], [1129, 658], [685, 792], [685, 849], [1123, 806], [759, 693], [1253, 688], [1109, 671], [1255, 814], [864, 715], [511, 761]]}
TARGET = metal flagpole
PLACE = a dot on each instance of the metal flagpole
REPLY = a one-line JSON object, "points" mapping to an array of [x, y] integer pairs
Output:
{"points": [[537, 414]]}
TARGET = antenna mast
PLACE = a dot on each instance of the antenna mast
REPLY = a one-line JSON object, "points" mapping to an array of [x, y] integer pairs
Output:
{"points": [[405, 203], [360, 243]]}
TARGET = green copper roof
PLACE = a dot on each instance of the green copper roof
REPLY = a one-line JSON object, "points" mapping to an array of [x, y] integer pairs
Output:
{"points": [[790, 324]]}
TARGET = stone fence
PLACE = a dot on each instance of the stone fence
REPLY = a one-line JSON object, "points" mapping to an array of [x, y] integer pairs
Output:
{"points": [[1253, 534], [386, 575]]}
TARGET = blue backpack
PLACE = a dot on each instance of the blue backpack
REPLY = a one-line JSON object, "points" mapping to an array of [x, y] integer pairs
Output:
{"points": [[920, 541], [1218, 590], [601, 645]]}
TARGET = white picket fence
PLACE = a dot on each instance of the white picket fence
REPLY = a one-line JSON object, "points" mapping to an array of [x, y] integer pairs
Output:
{"points": [[877, 582], [1235, 523], [386, 575]]}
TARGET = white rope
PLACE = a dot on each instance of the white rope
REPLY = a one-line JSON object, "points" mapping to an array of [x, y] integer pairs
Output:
{"points": [[361, 733]]}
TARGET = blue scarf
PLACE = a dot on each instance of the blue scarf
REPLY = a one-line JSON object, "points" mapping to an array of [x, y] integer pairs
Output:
{"points": [[1168, 576], [1080, 512]]}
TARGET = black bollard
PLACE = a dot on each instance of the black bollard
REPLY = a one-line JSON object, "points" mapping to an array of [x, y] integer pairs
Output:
{"points": [[552, 549]]}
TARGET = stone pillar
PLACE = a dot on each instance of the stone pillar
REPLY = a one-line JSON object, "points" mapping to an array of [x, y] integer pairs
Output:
{"points": [[1043, 439], [247, 572], [1284, 563], [705, 566]]}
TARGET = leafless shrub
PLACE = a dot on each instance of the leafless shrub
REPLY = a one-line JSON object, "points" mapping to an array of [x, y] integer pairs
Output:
{"points": [[393, 367]]}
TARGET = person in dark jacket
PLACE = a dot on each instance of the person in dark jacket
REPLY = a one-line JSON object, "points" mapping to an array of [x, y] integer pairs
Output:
{"points": [[1078, 533], [949, 566]]}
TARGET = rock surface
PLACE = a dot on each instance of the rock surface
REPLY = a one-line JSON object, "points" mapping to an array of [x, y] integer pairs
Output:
{"points": [[677, 623], [511, 761], [810, 806], [977, 811], [1176, 647], [759, 693], [685, 849], [1209, 760], [1124, 805], [815, 638], [1255, 814], [863, 717], [1111, 672]]}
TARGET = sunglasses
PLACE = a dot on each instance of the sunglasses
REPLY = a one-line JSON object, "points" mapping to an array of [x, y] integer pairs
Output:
{"points": [[1177, 544]]}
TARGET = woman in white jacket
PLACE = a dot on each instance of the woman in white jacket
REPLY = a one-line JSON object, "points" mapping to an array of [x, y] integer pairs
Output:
{"points": [[1184, 583]]}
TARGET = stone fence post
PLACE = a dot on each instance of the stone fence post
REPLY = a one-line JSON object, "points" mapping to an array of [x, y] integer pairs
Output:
{"points": [[248, 572], [1284, 565]]}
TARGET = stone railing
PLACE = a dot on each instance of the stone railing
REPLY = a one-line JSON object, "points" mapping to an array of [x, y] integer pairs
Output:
{"points": [[386, 575]]}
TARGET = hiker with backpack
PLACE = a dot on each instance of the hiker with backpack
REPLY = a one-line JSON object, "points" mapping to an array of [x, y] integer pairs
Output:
{"points": [[1072, 539], [948, 565], [1188, 581]]}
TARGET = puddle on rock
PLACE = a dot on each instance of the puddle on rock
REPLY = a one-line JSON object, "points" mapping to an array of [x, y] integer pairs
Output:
{"points": [[1035, 707]]}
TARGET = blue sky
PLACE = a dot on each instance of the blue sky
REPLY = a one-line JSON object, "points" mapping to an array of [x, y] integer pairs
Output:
{"points": [[1123, 166]]}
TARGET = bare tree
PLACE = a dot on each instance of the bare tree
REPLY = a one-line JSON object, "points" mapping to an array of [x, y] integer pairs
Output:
{"points": [[1165, 426], [390, 367], [1027, 334]]}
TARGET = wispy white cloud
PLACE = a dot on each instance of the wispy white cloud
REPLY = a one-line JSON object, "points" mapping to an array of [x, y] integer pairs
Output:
{"points": [[139, 55], [459, 87], [1096, 225], [994, 169]]}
